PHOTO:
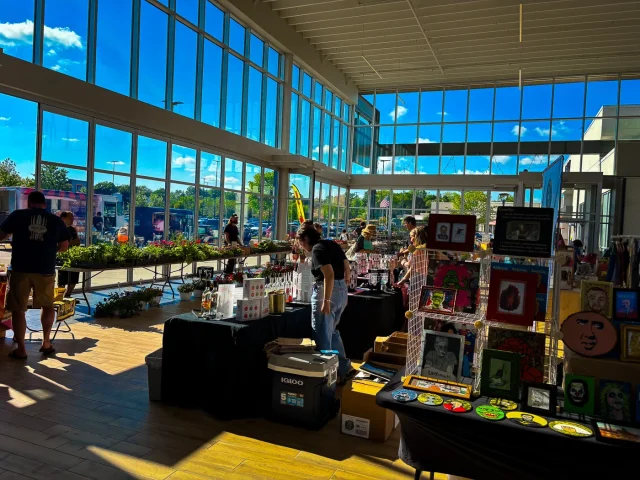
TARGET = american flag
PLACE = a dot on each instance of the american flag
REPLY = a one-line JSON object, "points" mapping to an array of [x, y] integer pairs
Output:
{"points": [[385, 203]]}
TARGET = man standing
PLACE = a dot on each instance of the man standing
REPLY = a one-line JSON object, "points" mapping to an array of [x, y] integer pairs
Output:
{"points": [[231, 234], [409, 224], [360, 228], [98, 223], [37, 236]]}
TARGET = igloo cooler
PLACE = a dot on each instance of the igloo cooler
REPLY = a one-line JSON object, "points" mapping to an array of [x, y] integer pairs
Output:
{"points": [[304, 388]]}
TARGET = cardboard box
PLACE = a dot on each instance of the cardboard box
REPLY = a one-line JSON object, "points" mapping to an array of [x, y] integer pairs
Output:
{"points": [[253, 287], [385, 359], [602, 368], [361, 416], [396, 344], [249, 309]]}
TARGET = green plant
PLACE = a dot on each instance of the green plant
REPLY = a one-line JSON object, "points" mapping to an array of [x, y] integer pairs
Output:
{"points": [[199, 284], [186, 288]]}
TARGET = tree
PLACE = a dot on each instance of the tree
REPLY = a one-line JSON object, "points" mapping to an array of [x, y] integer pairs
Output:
{"points": [[10, 177], [55, 178], [253, 201], [142, 196], [475, 203], [105, 188]]}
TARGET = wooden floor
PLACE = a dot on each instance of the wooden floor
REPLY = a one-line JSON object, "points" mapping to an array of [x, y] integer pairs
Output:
{"points": [[85, 413]]}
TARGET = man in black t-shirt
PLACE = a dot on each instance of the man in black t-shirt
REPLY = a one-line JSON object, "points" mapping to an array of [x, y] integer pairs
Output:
{"points": [[98, 221], [231, 234], [37, 236], [360, 228]]}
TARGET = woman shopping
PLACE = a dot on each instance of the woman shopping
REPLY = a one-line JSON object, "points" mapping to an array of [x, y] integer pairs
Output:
{"points": [[365, 240], [329, 267]]}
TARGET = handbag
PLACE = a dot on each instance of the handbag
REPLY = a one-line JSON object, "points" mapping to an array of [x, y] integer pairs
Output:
{"points": [[351, 253]]}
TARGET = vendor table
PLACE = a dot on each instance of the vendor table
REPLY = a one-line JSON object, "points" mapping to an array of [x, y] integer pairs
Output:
{"points": [[368, 315], [434, 439], [220, 365]]}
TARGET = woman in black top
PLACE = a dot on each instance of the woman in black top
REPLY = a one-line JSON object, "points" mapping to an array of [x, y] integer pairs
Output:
{"points": [[330, 267], [231, 234], [69, 279]]}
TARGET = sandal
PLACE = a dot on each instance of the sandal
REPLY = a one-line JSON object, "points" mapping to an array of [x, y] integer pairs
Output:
{"points": [[47, 351], [15, 356]]}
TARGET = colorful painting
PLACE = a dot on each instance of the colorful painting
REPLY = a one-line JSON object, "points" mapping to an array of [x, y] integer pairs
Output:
{"points": [[434, 385], [500, 374], [579, 394], [615, 400], [571, 429], [630, 343], [489, 412], [456, 405], [461, 276], [616, 433], [542, 282], [512, 297], [529, 345], [625, 304], [589, 334], [597, 297], [503, 404], [437, 300], [525, 419], [430, 399]]}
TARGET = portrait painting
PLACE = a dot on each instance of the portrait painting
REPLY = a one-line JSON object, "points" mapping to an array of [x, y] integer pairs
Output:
{"points": [[579, 394], [500, 374], [542, 282], [451, 232], [589, 334], [437, 300], [459, 233], [512, 297], [443, 232], [630, 343], [607, 432], [442, 355], [615, 401], [468, 334], [461, 276], [529, 345], [625, 302], [596, 297], [539, 398]]}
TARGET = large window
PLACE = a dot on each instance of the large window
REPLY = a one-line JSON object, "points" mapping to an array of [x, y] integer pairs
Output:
{"points": [[113, 45]]}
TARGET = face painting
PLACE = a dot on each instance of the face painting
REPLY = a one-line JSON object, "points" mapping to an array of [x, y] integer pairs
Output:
{"points": [[597, 300], [589, 334], [441, 345], [437, 298], [578, 393], [615, 399]]}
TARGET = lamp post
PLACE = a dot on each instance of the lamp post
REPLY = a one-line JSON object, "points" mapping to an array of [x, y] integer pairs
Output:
{"points": [[503, 197], [113, 164]]}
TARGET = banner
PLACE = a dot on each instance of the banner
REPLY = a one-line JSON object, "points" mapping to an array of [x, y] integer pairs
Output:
{"points": [[299, 207], [551, 191]]}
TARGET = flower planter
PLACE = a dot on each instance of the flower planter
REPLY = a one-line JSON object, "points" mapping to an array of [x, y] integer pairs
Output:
{"points": [[185, 295], [197, 293], [142, 305]]}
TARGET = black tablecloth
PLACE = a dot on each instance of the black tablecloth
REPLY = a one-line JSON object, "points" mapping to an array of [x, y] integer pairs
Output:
{"points": [[369, 315], [464, 444], [220, 365]]}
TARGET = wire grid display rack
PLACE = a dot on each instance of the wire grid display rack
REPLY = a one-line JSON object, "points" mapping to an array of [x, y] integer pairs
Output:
{"points": [[419, 271]]}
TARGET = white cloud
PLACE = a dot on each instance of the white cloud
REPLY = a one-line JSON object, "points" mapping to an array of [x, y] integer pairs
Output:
{"points": [[64, 37], [398, 112], [5, 119], [57, 67], [231, 181], [472, 172], [13, 34], [519, 129], [536, 160], [444, 114], [502, 159], [425, 140], [544, 132], [72, 140], [51, 53], [211, 178], [325, 149], [186, 162]]}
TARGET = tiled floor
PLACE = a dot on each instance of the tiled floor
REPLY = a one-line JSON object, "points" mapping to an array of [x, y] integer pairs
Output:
{"points": [[85, 413]]}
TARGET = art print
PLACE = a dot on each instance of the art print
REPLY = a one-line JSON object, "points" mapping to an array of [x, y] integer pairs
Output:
{"points": [[442, 355], [615, 401], [443, 232], [529, 345], [525, 419], [542, 282], [500, 374], [523, 231], [571, 429], [607, 432], [589, 334], [512, 297], [539, 398], [464, 277], [469, 336], [437, 300], [596, 297], [451, 232], [457, 406], [579, 394], [459, 233], [630, 343], [625, 304], [434, 385]]}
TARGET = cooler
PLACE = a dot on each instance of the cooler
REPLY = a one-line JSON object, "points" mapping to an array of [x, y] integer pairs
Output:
{"points": [[304, 388]]}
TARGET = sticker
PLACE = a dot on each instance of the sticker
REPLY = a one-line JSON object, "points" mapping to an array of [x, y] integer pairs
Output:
{"points": [[292, 399], [503, 404], [403, 395], [333, 376], [456, 405], [527, 419], [572, 429], [356, 426], [430, 399], [490, 412]]}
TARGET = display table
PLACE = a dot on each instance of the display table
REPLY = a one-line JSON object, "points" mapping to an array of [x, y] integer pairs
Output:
{"points": [[464, 444], [221, 365], [369, 315]]}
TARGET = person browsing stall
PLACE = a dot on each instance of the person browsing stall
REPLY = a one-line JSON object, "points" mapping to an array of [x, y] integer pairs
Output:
{"points": [[330, 267], [231, 234], [364, 241], [69, 279], [417, 236]]}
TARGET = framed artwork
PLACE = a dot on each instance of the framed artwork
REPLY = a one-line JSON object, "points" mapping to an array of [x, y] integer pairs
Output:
{"points": [[442, 355], [596, 297], [464, 277], [512, 297], [615, 401], [625, 304], [606, 432], [630, 342], [579, 394], [540, 398], [451, 232], [500, 374], [589, 334], [572, 429], [434, 385], [529, 345], [437, 300], [457, 328], [542, 277], [523, 231]]}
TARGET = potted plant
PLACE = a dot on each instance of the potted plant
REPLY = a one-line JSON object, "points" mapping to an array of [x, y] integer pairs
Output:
{"points": [[153, 296], [198, 287], [186, 290]]}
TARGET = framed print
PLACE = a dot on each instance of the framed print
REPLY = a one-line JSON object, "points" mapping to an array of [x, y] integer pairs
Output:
{"points": [[523, 231], [512, 297], [625, 304], [500, 374], [464, 277], [596, 297], [615, 401], [630, 340], [579, 394], [606, 432], [589, 334], [540, 398], [542, 279], [457, 328], [434, 385], [442, 355], [451, 232], [437, 300], [529, 345]]}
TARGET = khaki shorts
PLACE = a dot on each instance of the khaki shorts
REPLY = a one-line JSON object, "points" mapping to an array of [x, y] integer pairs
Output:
{"points": [[20, 285]]}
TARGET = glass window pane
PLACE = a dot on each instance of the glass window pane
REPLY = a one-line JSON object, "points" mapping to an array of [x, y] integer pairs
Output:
{"points": [[211, 84], [113, 150], [429, 134], [306, 85], [253, 177], [65, 140], [236, 36], [234, 94], [428, 165], [386, 107], [454, 133], [563, 130], [455, 106], [326, 138], [113, 47], [452, 164], [209, 216], [150, 203], [507, 103], [533, 163], [68, 188], [18, 121], [404, 165], [346, 114], [293, 125], [210, 169], [16, 29], [256, 50], [335, 144], [232, 174], [152, 157], [182, 203], [536, 101], [534, 132], [184, 71], [252, 224], [318, 89], [337, 111], [271, 134], [506, 132], [315, 149], [274, 62], [431, 106], [503, 164], [295, 77], [568, 100], [153, 55], [112, 198], [65, 38], [188, 9], [214, 20], [601, 93], [304, 128], [254, 106], [630, 98], [629, 129], [344, 144], [328, 100], [481, 104], [183, 164], [361, 158], [270, 182], [476, 165], [407, 108], [479, 132]]}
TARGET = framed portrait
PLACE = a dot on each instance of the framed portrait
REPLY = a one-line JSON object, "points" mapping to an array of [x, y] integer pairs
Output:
{"points": [[589, 334], [500, 374], [512, 297], [542, 282], [616, 434], [540, 398], [442, 355], [451, 232], [523, 231], [630, 340], [464, 277], [596, 297], [579, 394], [615, 401], [457, 328], [434, 385], [625, 304], [530, 345], [437, 300]]}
